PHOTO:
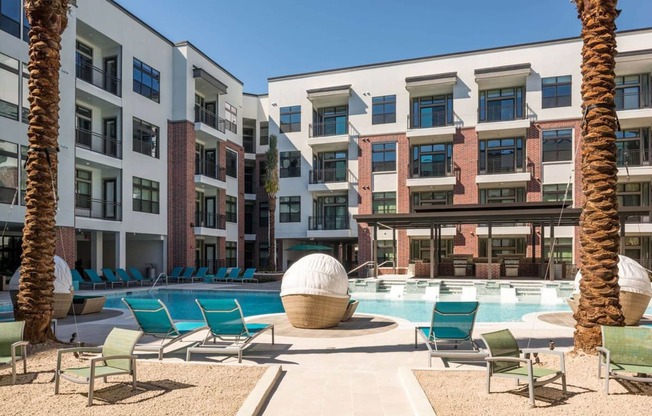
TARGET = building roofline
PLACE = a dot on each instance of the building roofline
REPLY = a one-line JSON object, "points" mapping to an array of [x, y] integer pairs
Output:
{"points": [[251, 94], [445, 55], [199, 51], [139, 20]]}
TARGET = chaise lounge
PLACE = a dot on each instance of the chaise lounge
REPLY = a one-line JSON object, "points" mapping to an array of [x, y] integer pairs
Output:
{"points": [[626, 353]]}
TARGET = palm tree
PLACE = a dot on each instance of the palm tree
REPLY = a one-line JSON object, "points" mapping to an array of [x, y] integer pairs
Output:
{"points": [[271, 188], [48, 19], [599, 222]]}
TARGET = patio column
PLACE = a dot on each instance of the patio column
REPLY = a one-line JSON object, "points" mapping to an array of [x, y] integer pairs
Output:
{"points": [[432, 250], [542, 269], [489, 253], [551, 262], [395, 257], [374, 250]]}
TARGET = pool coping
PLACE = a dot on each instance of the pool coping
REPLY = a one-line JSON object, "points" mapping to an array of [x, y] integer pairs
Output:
{"points": [[255, 401]]}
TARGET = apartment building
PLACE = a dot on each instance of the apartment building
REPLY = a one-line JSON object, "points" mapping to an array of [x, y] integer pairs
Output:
{"points": [[163, 153]]}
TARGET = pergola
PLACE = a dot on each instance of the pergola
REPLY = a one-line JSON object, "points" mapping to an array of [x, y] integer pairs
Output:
{"points": [[551, 214]]}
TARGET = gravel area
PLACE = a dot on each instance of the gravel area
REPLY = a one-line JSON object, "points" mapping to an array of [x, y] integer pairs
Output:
{"points": [[163, 388], [464, 393]]}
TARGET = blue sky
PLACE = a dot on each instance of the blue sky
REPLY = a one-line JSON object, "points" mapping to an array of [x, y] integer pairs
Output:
{"points": [[258, 39]]}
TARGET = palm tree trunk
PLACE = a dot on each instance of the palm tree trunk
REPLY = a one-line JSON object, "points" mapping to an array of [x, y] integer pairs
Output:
{"points": [[48, 19], [599, 222]]}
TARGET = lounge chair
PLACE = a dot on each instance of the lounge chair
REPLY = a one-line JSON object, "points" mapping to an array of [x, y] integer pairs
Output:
{"points": [[111, 277], [76, 277], [505, 360], [116, 359], [138, 276], [11, 338], [201, 273], [220, 276], [247, 276], [626, 353], [95, 278], [154, 319], [450, 321], [122, 273], [233, 274], [83, 305], [176, 273], [350, 310], [226, 322]]}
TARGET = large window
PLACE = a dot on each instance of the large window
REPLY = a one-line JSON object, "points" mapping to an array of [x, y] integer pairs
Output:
{"points": [[231, 254], [557, 145], [431, 111], [84, 62], [147, 81], [10, 16], [385, 252], [145, 138], [231, 209], [263, 214], [556, 91], [633, 147], [502, 104], [231, 117], [329, 167], [384, 203], [290, 119], [634, 194], [502, 246], [420, 249], [264, 133], [432, 160], [501, 155], [432, 198], [563, 249], [231, 163], [558, 192], [290, 164], [632, 91], [146, 196], [8, 171], [9, 87], [383, 157], [290, 209], [83, 188], [330, 121], [383, 109], [502, 195]]}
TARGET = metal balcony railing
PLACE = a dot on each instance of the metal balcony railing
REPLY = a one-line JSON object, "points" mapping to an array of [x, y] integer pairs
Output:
{"points": [[210, 220], [209, 118], [329, 128], [329, 175], [88, 207], [231, 126], [432, 170], [632, 157], [96, 76], [98, 143], [504, 164], [337, 222], [437, 118], [631, 100], [210, 169]]}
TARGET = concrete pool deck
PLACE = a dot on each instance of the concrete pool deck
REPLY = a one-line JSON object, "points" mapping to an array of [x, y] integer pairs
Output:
{"points": [[364, 372]]}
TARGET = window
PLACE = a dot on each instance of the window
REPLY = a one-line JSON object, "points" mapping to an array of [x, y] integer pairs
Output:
{"points": [[558, 193], [331, 213], [9, 87], [330, 121], [231, 163], [557, 145], [637, 248], [262, 173], [264, 133], [383, 109], [231, 254], [8, 171], [290, 164], [633, 147], [263, 254], [420, 249], [383, 157], [502, 104], [632, 91], [248, 140], [83, 188], [385, 252], [231, 118], [431, 111], [502, 246], [502, 195], [556, 92], [432, 198], [231, 209], [10, 16], [146, 196], [633, 194], [290, 119], [384, 203], [290, 209], [84, 62], [23, 174], [263, 214], [145, 138], [501, 155], [432, 160], [329, 167], [563, 249], [147, 81], [25, 115]]}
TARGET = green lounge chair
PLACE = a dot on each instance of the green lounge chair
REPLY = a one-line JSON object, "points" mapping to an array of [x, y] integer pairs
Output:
{"points": [[154, 320], [76, 277], [247, 276], [176, 273], [226, 322], [201, 273], [625, 351], [111, 277], [122, 273], [450, 321], [138, 276], [233, 274], [11, 338], [95, 278], [185, 276], [116, 358], [220, 276], [505, 360]]}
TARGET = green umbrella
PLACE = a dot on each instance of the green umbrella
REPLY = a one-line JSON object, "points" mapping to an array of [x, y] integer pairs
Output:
{"points": [[309, 247]]}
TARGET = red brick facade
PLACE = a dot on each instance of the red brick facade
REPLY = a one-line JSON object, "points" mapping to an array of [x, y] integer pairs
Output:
{"points": [[66, 246]]}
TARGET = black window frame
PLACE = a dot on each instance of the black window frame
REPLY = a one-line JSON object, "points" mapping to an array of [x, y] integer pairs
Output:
{"points": [[290, 119], [557, 91], [8, 109], [441, 113], [557, 145], [383, 109], [486, 97], [140, 204], [633, 147], [431, 151], [151, 89], [381, 151], [231, 209], [144, 143], [231, 158], [9, 183], [286, 205], [11, 24], [499, 145], [381, 203], [555, 192], [264, 134], [231, 253], [625, 193], [627, 82], [432, 198], [504, 197], [290, 164]]}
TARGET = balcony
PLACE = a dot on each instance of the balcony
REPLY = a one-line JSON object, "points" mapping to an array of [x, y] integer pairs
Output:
{"points": [[436, 118], [210, 119], [210, 220], [210, 169], [502, 170], [96, 76], [337, 222], [330, 128], [322, 180], [632, 157], [98, 143], [88, 207], [435, 174]]}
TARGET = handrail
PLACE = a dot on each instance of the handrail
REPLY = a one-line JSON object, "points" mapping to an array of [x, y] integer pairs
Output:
{"points": [[385, 262], [367, 263], [157, 279]]}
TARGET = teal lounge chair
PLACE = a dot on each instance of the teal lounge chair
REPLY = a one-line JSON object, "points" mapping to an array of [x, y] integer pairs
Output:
{"points": [[226, 323], [76, 277], [247, 276], [201, 273], [626, 353], [176, 273], [95, 278], [111, 277], [154, 320], [233, 274], [220, 276], [450, 321], [11, 338], [138, 276], [126, 278], [186, 276], [505, 360], [116, 359]]}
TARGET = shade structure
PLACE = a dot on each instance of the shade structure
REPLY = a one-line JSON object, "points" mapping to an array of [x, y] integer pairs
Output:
{"points": [[309, 247]]}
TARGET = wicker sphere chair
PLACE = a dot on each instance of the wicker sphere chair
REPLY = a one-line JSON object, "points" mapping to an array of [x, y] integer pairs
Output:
{"points": [[314, 292], [635, 290]]}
